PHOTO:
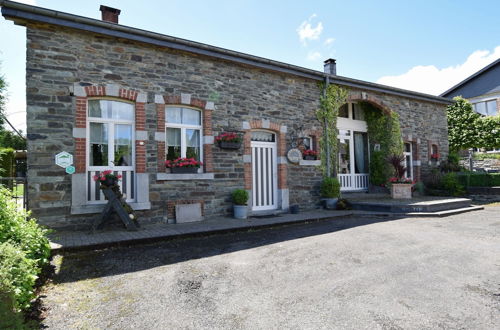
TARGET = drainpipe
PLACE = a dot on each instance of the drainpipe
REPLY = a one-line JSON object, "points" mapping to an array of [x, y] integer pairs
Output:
{"points": [[330, 68]]}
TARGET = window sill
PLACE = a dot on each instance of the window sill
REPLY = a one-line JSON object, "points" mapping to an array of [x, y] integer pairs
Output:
{"points": [[304, 162], [97, 208], [181, 177]]}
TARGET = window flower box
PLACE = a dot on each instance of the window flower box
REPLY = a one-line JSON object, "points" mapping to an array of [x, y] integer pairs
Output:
{"points": [[229, 140], [183, 165], [310, 154], [183, 170]]}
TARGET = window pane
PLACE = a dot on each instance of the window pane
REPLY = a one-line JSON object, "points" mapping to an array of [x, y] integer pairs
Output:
{"points": [[174, 115], [344, 156], [122, 110], [361, 152], [98, 108], [190, 117], [193, 143], [123, 145], [173, 143], [492, 107], [358, 113], [263, 136], [343, 111], [408, 165], [98, 144], [308, 143], [407, 147], [480, 108]]}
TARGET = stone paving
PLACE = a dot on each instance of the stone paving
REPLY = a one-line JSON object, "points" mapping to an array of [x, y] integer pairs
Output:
{"points": [[75, 240]]}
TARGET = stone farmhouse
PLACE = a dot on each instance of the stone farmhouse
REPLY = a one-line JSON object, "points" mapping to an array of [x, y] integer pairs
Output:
{"points": [[125, 99]]}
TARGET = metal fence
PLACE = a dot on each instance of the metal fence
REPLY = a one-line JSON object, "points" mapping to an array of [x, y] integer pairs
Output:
{"points": [[19, 189]]}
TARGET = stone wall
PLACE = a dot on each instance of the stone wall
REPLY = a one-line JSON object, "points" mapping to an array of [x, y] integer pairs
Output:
{"points": [[57, 58]]}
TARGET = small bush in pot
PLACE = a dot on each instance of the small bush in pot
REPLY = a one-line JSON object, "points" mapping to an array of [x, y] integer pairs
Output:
{"points": [[240, 199], [330, 191]]}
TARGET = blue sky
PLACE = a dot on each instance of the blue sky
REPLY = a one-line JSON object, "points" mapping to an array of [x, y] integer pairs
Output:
{"points": [[420, 45]]}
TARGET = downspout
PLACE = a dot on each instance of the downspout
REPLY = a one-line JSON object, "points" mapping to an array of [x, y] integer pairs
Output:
{"points": [[327, 146]]}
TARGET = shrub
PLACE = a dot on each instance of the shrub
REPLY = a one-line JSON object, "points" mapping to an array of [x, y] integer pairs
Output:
{"points": [[17, 276], [479, 179], [6, 162], [330, 188], [17, 228], [240, 197], [378, 168], [450, 183]]}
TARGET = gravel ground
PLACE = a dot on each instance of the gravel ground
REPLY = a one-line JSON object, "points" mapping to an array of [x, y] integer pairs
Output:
{"points": [[407, 273]]}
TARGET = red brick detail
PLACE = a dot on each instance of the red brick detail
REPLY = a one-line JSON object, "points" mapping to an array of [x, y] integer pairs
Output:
{"points": [[172, 99], [208, 159], [95, 90], [127, 94], [171, 206], [161, 156], [256, 124], [248, 176], [198, 103], [81, 112], [247, 143], [281, 145], [160, 117], [140, 157], [282, 176], [207, 122], [80, 154], [140, 116], [370, 98]]}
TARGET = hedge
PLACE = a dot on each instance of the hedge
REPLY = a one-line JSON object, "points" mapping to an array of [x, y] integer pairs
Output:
{"points": [[24, 252], [6, 162], [479, 179]]}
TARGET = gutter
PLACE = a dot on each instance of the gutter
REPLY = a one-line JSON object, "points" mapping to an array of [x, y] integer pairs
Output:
{"points": [[22, 13]]}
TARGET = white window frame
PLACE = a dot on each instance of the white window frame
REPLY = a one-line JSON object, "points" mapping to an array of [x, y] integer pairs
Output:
{"points": [[485, 101], [183, 128], [410, 167]]}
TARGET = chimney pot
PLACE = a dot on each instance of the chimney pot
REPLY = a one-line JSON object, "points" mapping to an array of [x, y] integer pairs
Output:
{"points": [[330, 66], [109, 14]]}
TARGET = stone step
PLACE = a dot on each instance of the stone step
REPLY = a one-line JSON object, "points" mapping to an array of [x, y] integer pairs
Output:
{"points": [[412, 207]]}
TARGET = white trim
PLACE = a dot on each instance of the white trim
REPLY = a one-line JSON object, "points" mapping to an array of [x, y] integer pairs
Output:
{"points": [[141, 98], [210, 105], [141, 135], [112, 90], [159, 99], [182, 177], [245, 125], [304, 162], [79, 133], [410, 154], [183, 128], [260, 200], [160, 136], [208, 139], [185, 98]]}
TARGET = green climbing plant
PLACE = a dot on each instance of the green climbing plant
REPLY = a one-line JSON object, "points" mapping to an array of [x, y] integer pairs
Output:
{"points": [[330, 102], [383, 130]]}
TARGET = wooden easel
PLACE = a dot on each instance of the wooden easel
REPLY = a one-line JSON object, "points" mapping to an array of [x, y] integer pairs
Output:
{"points": [[115, 204]]}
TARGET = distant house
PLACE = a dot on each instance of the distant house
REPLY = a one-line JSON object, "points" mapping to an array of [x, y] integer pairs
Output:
{"points": [[482, 89]]}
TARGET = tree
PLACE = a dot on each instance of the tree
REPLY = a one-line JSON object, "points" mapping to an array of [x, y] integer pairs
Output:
{"points": [[8, 139], [463, 125]]}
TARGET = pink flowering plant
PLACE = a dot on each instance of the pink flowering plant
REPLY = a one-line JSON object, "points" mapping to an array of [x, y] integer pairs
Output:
{"points": [[310, 153], [108, 174], [435, 156], [399, 170], [228, 137], [183, 162]]}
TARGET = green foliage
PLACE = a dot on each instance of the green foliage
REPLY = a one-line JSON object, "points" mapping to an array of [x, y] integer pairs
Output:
{"points": [[240, 197], [3, 89], [477, 156], [18, 274], [10, 318], [384, 130], [452, 164], [468, 129], [6, 162], [445, 184], [9, 139], [450, 183], [17, 228], [479, 179], [334, 97], [330, 188]]}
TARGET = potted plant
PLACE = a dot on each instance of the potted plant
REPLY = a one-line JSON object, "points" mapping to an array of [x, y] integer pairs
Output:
{"points": [[310, 154], [399, 185], [183, 165], [240, 199], [330, 191], [107, 178], [229, 140]]}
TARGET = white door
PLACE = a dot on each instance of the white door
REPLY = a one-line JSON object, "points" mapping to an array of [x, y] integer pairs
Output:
{"points": [[264, 171], [110, 146]]}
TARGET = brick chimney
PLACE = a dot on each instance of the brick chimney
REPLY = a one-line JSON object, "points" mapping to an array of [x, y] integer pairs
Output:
{"points": [[110, 14], [330, 66]]}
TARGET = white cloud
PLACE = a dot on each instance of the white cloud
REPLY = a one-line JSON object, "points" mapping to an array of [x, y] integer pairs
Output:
{"points": [[28, 2], [307, 32], [432, 80], [313, 56], [329, 41]]}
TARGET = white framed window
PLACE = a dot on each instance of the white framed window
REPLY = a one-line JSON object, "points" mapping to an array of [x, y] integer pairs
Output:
{"points": [[309, 143], [183, 133], [486, 108], [408, 153]]}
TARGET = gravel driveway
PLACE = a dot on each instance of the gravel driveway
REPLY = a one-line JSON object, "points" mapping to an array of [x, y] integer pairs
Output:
{"points": [[407, 273]]}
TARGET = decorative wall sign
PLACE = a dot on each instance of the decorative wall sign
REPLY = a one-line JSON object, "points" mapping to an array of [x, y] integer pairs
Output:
{"points": [[294, 156], [64, 159], [70, 169]]}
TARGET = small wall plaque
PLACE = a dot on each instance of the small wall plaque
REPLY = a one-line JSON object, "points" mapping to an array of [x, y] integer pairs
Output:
{"points": [[294, 156], [64, 159], [70, 169]]}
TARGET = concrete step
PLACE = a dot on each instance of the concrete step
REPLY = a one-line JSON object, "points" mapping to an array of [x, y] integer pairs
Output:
{"points": [[412, 207]]}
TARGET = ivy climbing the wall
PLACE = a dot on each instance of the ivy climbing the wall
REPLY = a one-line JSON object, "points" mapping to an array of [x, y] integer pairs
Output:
{"points": [[330, 102], [383, 130]]}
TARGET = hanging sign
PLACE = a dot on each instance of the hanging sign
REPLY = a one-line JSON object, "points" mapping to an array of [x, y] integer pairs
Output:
{"points": [[64, 159]]}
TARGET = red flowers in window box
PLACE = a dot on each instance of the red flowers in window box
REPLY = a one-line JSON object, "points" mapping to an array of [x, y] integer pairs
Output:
{"points": [[107, 178], [228, 140], [310, 154], [435, 156], [183, 162], [401, 180]]}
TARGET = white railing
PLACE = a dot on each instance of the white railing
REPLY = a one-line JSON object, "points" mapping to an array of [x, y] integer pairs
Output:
{"points": [[350, 182], [127, 186]]}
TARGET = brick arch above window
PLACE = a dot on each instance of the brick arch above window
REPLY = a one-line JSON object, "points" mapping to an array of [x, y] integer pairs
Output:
{"points": [[186, 100]]}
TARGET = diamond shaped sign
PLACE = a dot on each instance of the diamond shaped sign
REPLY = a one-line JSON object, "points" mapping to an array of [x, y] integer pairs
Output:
{"points": [[64, 159]]}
